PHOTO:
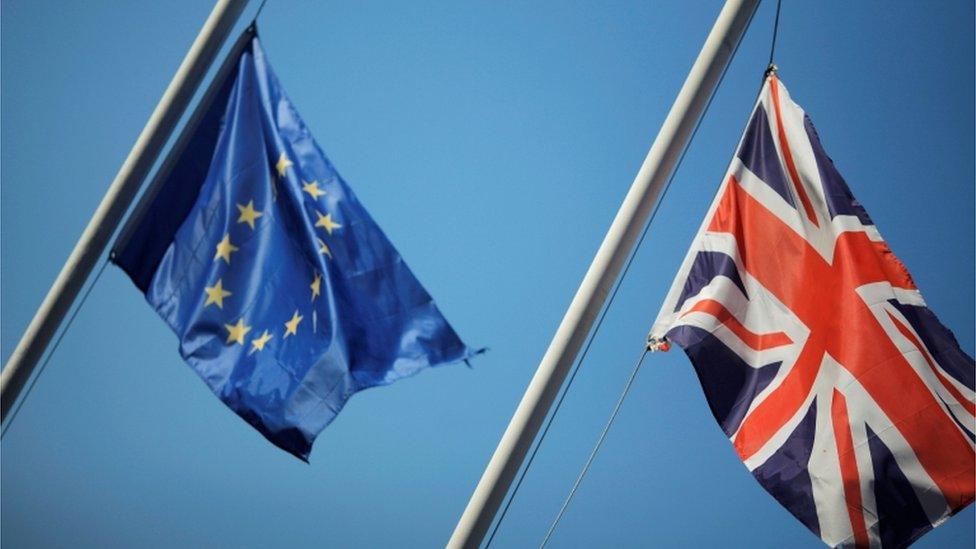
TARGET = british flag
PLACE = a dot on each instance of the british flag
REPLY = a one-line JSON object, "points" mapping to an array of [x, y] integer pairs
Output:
{"points": [[840, 390]]}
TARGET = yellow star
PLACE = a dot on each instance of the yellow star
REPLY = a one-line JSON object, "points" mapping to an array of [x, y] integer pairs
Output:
{"points": [[282, 165], [225, 248], [236, 332], [291, 327], [313, 189], [316, 285], [324, 248], [259, 343], [216, 294], [326, 222], [248, 214]]}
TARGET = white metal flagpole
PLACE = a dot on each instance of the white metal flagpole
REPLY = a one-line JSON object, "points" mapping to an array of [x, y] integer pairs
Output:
{"points": [[576, 324], [117, 199]]}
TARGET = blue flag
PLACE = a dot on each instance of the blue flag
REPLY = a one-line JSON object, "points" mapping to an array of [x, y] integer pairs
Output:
{"points": [[286, 296]]}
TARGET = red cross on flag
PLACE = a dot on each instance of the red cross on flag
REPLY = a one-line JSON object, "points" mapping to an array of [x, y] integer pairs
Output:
{"points": [[840, 390]]}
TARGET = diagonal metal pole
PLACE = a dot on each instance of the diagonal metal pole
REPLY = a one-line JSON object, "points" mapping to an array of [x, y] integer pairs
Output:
{"points": [[117, 199], [603, 272]]}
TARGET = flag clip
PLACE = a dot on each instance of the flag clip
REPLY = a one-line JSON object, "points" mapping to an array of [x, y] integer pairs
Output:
{"points": [[658, 344]]}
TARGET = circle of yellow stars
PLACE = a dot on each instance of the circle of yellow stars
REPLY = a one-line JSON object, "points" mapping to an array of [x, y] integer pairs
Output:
{"points": [[215, 295]]}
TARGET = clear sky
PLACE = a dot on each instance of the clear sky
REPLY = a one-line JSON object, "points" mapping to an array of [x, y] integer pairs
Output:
{"points": [[493, 142]]}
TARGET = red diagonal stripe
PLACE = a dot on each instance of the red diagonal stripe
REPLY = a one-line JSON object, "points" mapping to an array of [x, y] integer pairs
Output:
{"points": [[825, 299], [788, 156], [966, 403], [848, 468], [759, 342]]}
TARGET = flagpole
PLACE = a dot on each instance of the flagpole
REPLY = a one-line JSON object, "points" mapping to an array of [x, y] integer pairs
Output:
{"points": [[617, 244], [117, 199]]}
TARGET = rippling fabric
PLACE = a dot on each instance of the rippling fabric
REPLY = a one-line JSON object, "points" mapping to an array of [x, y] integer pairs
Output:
{"points": [[840, 390], [286, 296]]}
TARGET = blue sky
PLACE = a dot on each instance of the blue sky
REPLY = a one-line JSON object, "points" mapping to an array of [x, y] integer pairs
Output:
{"points": [[493, 142]]}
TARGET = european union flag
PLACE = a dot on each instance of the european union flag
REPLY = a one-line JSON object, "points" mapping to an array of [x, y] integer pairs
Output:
{"points": [[286, 296]]}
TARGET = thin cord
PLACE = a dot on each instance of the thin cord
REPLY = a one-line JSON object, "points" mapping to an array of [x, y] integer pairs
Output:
{"points": [[772, 47], [633, 254], [579, 363], [257, 13], [23, 398], [606, 309], [599, 443], [596, 329]]}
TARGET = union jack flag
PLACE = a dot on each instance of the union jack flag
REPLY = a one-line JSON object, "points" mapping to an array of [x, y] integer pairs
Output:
{"points": [[840, 390]]}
